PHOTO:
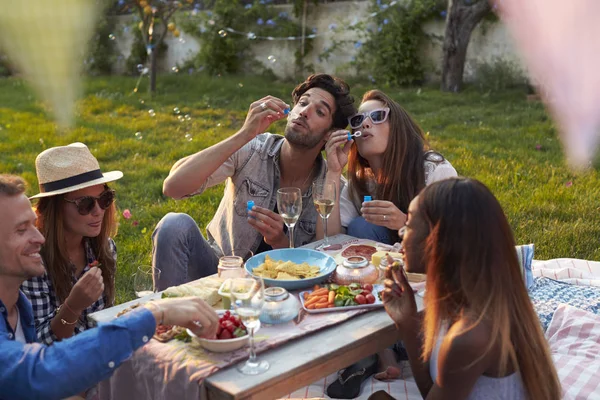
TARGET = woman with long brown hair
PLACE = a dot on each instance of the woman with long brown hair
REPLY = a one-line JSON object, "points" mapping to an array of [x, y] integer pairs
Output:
{"points": [[77, 216], [389, 161], [479, 337]]}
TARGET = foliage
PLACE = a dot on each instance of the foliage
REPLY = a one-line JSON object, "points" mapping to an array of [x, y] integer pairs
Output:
{"points": [[390, 43], [5, 67], [103, 51], [225, 52], [499, 74]]}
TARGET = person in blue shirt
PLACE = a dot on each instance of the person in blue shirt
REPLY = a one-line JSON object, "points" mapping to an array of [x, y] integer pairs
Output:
{"points": [[30, 370]]}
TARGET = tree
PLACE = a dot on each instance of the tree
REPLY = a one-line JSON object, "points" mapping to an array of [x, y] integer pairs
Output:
{"points": [[155, 23], [463, 17]]}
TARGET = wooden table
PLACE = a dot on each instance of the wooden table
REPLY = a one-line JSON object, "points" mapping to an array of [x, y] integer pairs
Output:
{"points": [[309, 358]]}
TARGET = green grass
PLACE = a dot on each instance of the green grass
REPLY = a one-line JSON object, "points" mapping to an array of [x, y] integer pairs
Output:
{"points": [[488, 136]]}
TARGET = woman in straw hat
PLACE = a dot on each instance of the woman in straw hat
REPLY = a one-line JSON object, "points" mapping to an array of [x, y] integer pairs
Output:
{"points": [[77, 216]]}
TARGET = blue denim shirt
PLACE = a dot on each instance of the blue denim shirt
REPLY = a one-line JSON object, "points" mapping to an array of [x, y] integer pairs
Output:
{"points": [[35, 371]]}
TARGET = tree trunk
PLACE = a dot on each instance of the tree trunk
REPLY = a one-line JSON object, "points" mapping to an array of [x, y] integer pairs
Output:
{"points": [[153, 70], [462, 19]]}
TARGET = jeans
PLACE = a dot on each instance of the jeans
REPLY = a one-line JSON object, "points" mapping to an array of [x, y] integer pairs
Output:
{"points": [[180, 252], [360, 228]]}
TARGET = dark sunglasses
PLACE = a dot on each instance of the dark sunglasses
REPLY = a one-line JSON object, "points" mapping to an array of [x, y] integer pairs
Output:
{"points": [[377, 116], [86, 204]]}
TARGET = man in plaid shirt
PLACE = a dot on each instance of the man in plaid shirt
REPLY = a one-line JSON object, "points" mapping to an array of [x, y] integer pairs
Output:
{"points": [[31, 370]]}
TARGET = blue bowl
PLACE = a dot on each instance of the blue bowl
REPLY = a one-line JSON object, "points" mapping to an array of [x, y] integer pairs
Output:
{"points": [[298, 256]]}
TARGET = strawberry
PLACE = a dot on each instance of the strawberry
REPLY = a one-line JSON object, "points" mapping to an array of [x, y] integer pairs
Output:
{"points": [[225, 334], [228, 325]]}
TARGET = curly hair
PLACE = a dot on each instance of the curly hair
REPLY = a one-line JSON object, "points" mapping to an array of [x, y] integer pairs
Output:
{"points": [[344, 102]]}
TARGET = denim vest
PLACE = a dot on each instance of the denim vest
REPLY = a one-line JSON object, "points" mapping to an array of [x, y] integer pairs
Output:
{"points": [[253, 174]]}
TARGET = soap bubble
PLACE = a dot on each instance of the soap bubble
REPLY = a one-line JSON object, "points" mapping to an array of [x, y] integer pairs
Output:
{"points": [[180, 118], [251, 35], [272, 59], [176, 110], [139, 136], [188, 137], [241, 84], [151, 112], [140, 67], [188, 117], [112, 37], [175, 70], [222, 33]]}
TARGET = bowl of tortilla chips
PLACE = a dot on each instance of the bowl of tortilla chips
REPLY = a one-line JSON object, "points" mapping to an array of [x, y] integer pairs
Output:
{"points": [[291, 269]]}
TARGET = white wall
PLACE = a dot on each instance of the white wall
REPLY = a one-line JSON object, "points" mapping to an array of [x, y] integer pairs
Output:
{"points": [[489, 42]]}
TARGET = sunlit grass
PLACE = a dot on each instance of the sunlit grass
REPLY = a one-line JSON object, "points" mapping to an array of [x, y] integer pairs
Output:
{"points": [[499, 138]]}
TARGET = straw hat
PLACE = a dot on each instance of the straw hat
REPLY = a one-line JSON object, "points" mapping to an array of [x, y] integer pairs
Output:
{"points": [[65, 169]]}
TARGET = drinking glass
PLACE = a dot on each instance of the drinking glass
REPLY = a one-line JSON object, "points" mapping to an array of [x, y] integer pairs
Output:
{"points": [[289, 204], [143, 280], [324, 196], [248, 299], [231, 265]]}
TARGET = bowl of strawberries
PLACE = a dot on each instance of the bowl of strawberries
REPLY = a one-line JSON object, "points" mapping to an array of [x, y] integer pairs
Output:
{"points": [[231, 335]]}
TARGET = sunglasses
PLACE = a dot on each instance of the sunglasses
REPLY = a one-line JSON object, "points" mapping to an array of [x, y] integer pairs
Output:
{"points": [[378, 116], [86, 204]]}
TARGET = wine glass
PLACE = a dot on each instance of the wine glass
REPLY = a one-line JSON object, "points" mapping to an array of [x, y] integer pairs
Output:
{"points": [[289, 204], [248, 299], [143, 280], [324, 196]]}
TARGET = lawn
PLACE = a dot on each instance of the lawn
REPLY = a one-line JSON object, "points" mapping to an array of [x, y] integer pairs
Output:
{"points": [[499, 138]]}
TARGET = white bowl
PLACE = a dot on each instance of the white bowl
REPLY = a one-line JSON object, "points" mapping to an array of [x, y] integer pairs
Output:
{"points": [[220, 346]]}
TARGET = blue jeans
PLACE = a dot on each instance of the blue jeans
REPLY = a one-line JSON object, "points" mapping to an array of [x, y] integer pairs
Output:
{"points": [[180, 252], [360, 228]]}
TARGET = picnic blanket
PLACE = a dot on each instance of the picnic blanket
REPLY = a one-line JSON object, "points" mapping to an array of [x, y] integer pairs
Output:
{"points": [[557, 281]]}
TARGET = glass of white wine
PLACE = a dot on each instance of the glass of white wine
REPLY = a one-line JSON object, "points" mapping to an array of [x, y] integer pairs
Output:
{"points": [[248, 299], [289, 204], [324, 196], [143, 280]]}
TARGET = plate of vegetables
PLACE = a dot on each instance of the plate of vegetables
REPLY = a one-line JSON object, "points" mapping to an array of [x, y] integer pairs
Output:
{"points": [[334, 297]]}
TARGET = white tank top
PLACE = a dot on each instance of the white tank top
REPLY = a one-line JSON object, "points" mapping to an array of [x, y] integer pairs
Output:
{"points": [[485, 388]]}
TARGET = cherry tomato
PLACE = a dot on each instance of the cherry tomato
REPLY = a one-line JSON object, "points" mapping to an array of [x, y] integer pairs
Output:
{"points": [[370, 298], [360, 299], [365, 292], [368, 286]]}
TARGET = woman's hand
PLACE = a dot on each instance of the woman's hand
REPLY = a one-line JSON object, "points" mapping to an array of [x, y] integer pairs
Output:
{"points": [[188, 312], [399, 297], [86, 291], [261, 114], [270, 225], [383, 213], [337, 149]]}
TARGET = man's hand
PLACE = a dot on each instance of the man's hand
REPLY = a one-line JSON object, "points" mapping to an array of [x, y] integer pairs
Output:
{"points": [[383, 213], [261, 114], [337, 148], [86, 291], [270, 225], [188, 312]]}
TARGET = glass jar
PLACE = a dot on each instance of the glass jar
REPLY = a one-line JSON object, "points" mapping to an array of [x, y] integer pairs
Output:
{"points": [[231, 267], [355, 269], [280, 306]]}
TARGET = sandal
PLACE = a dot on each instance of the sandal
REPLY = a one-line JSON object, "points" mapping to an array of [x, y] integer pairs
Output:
{"points": [[350, 380]]}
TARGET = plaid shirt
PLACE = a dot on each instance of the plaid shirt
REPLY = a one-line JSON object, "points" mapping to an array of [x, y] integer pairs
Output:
{"points": [[45, 304]]}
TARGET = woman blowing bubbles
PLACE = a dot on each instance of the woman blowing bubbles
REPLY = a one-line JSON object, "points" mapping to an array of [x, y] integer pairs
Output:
{"points": [[389, 161], [479, 337]]}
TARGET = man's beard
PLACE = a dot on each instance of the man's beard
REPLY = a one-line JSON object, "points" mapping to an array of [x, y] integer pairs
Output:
{"points": [[306, 140]]}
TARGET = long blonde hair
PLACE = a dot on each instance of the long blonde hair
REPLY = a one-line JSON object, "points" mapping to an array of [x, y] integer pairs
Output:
{"points": [[50, 222], [472, 268]]}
